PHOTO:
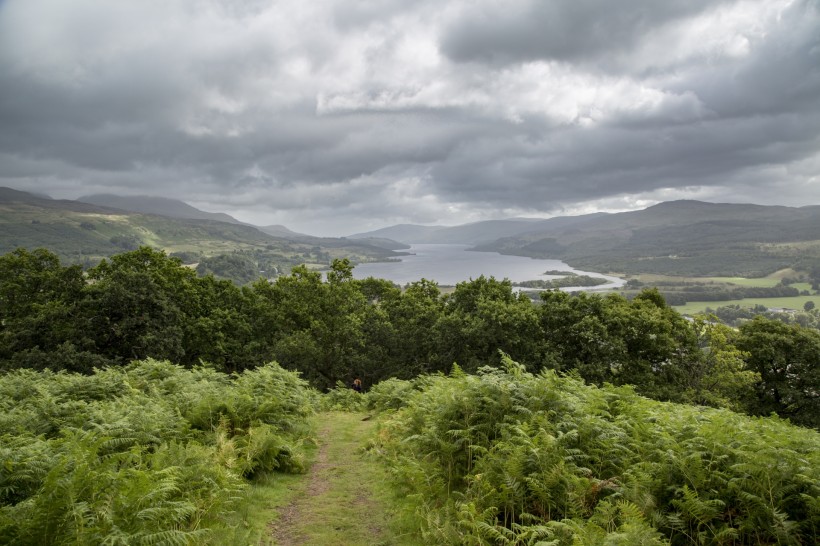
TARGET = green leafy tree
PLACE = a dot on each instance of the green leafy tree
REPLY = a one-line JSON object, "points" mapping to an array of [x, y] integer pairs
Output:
{"points": [[378, 290], [413, 347], [484, 316], [238, 268], [609, 339], [223, 326], [786, 357], [39, 316], [720, 377], [661, 345], [319, 323], [135, 305]]}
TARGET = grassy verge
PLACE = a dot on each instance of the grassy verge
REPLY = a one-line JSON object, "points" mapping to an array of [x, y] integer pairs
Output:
{"points": [[345, 498], [261, 504]]}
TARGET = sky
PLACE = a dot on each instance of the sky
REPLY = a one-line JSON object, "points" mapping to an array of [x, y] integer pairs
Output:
{"points": [[334, 117]]}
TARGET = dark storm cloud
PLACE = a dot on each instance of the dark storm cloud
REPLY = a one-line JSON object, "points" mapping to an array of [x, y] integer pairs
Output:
{"points": [[333, 116], [718, 126], [564, 30]]}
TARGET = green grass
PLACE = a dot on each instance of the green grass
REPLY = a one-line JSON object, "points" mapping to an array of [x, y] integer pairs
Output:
{"points": [[764, 282], [795, 302], [260, 505], [345, 499]]}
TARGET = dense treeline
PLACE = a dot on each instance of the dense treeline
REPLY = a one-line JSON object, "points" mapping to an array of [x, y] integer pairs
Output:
{"points": [[148, 453], [143, 304], [681, 293], [564, 281], [735, 315], [508, 457]]}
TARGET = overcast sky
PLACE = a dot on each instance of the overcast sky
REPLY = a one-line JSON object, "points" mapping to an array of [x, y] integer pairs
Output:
{"points": [[338, 116]]}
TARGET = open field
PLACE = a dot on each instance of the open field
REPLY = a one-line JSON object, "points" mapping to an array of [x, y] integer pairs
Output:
{"points": [[668, 283], [796, 302], [764, 282]]}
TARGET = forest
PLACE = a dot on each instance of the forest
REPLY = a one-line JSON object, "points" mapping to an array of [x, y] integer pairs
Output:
{"points": [[145, 304], [579, 417]]}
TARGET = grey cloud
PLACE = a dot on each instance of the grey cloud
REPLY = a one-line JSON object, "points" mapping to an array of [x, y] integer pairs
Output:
{"points": [[564, 30], [576, 165], [355, 14], [291, 111], [781, 74]]}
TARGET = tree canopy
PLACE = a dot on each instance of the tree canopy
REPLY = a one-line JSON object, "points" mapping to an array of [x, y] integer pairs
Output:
{"points": [[144, 304]]}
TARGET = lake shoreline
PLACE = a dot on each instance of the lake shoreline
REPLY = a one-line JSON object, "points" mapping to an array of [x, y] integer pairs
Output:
{"points": [[450, 264]]}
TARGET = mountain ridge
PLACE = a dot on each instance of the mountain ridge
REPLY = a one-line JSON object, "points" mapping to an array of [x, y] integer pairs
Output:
{"points": [[681, 237], [81, 232], [688, 237], [163, 206]]}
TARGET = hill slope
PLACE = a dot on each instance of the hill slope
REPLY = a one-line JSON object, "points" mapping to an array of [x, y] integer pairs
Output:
{"points": [[84, 233], [466, 234], [145, 204], [679, 237]]}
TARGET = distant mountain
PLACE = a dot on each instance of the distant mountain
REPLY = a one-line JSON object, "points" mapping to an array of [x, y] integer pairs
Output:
{"points": [[9, 197], [405, 233], [145, 204], [82, 232], [678, 237], [175, 208], [466, 234], [381, 242], [277, 230], [673, 238]]}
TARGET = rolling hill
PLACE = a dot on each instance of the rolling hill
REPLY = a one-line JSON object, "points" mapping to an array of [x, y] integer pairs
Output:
{"points": [[466, 234], [674, 238], [680, 237], [82, 232], [162, 206]]}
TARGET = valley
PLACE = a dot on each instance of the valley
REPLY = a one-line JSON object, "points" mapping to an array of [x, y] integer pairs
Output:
{"points": [[84, 233], [700, 255]]}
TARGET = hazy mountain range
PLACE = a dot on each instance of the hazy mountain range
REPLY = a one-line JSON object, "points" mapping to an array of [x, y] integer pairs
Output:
{"points": [[683, 237], [98, 226], [473, 233], [175, 209], [676, 237]]}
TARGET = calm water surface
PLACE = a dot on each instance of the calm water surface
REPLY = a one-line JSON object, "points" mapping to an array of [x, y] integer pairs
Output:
{"points": [[451, 264]]}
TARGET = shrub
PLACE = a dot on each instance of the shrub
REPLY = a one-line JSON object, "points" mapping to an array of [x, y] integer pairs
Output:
{"points": [[507, 457], [343, 398], [148, 454]]}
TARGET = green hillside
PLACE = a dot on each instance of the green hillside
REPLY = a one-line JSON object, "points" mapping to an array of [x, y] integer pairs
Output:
{"points": [[85, 233], [680, 238], [156, 205]]}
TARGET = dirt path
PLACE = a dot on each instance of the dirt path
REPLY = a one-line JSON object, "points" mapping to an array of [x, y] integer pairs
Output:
{"points": [[342, 500]]}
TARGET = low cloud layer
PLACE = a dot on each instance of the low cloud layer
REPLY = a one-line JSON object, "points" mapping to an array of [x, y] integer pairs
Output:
{"points": [[334, 117]]}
